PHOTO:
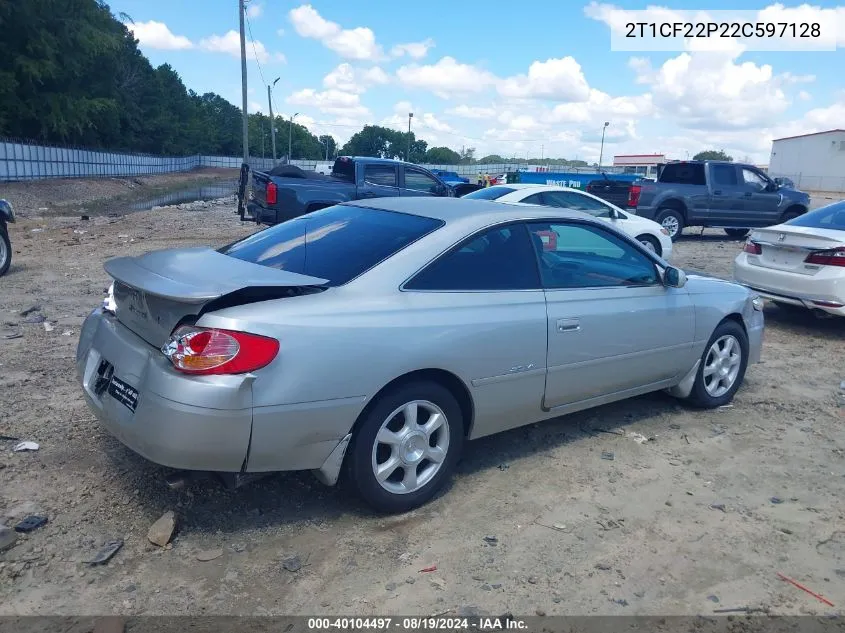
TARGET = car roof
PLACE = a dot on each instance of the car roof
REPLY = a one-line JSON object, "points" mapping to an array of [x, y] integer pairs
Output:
{"points": [[453, 209]]}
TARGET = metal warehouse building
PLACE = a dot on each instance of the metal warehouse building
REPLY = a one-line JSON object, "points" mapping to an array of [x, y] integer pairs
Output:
{"points": [[815, 162]]}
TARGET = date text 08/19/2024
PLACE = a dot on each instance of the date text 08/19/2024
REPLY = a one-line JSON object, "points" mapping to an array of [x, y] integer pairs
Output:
{"points": [[417, 624]]}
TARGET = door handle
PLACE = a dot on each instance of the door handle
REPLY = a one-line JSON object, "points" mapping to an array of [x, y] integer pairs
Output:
{"points": [[718, 192], [568, 325]]}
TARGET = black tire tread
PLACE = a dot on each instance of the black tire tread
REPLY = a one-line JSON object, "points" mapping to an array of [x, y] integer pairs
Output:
{"points": [[699, 396], [4, 235]]}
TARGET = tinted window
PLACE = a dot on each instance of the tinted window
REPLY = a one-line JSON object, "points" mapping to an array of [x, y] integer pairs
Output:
{"points": [[724, 175], [338, 243], [536, 198], [683, 174], [581, 256], [384, 175], [489, 193], [830, 217], [577, 201], [498, 259], [420, 181]]}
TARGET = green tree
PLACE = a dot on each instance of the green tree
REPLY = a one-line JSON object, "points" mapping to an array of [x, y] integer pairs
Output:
{"points": [[467, 155], [492, 158], [442, 156], [373, 141], [329, 146], [712, 154]]}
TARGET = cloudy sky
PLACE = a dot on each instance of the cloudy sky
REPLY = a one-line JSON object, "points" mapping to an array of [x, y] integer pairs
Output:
{"points": [[506, 78]]}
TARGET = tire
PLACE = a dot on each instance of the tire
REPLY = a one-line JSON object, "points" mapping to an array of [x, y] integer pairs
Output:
{"points": [[672, 221], [789, 215], [5, 249], [710, 396], [366, 454], [651, 243], [737, 233]]}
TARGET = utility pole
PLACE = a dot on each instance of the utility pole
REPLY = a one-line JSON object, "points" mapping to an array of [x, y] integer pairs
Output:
{"points": [[542, 152], [601, 151], [290, 135], [408, 155], [272, 120], [241, 10]]}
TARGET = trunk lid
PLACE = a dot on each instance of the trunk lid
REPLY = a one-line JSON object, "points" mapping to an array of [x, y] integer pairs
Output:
{"points": [[785, 247], [154, 292]]}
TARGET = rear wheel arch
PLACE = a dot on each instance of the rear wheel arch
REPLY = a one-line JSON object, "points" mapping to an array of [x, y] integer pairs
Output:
{"points": [[676, 205], [316, 206], [793, 211], [447, 379]]}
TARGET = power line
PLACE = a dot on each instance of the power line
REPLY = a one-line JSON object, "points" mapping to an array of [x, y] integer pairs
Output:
{"points": [[254, 50]]}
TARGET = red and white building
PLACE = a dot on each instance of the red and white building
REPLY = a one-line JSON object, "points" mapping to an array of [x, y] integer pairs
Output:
{"points": [[641, 164]]}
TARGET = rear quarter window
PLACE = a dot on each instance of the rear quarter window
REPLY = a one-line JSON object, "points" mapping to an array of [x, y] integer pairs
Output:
{"points": [[683, 174], [489, 193], [338, 243]]}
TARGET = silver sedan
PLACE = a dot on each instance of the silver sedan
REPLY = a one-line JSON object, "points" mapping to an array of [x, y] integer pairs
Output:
{"points": [[370, 340]]}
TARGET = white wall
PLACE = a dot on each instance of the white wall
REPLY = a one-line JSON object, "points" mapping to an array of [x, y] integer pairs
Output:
{"points": [[815, 163]]}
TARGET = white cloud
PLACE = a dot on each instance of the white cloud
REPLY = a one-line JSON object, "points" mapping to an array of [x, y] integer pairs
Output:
{"points": [[805, 96], [472, 112], [230, 43], [554, 79], [357, 43], [416, 50], [254, 9], [157, 35], [446, 78], [428, 120], [330, 101], [349, 79]]}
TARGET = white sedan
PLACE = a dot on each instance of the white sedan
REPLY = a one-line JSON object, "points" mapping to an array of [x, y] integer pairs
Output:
{"points": [[800, 262], [650, 234]]}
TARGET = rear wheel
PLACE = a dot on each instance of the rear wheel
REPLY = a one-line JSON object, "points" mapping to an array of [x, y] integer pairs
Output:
{"points": [[672, 221], [5, 249], [651, 243], [406, 447], [722, 366], [737, 233]]}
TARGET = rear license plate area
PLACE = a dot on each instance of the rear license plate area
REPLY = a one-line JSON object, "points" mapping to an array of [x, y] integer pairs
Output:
{"points": [[105, 371], [105, 382]]}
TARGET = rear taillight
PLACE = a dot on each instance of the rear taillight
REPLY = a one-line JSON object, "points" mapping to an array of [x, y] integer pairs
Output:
{"points": [[270, 193], [634, 195], [832, 257], [196, 350], [752, 247]]}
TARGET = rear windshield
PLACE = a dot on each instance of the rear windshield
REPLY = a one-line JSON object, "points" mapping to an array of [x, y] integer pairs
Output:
{"points": [[344, 168], [683, 174], [489, 193], [830, 217], [337, 243]]}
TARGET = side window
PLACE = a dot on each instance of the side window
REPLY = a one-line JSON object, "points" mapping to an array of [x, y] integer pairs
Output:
{"points": [[383, 175], [579, 202], [498, 259], [574, 255], [753, 179], [536, 198], [420, 181], [724, 175], [683, 174]]}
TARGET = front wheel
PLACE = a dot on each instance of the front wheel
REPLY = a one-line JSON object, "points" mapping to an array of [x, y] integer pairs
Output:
{"points": [[406, 447], [722, 366], [789, 215], [672, 221], [5, 249], [651, 243]]}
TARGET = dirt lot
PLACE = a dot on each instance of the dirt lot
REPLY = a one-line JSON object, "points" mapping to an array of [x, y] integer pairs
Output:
{"points": [[700, 517]]}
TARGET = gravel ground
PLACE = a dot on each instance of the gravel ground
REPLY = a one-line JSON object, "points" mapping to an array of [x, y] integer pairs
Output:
{"points": [[699, 516]]}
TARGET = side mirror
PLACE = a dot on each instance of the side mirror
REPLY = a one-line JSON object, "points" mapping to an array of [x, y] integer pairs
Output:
{"points": [[7, 214], [674, 277]]}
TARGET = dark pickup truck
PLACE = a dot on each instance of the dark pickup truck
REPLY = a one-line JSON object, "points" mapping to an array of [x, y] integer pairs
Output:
{"points": [[286, 192], [730, 196]]}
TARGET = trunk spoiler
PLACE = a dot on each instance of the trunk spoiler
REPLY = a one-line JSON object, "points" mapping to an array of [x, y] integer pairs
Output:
{"points": [[198, 275]]}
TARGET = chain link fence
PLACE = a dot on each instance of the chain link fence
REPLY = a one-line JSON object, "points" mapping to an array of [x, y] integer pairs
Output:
{"points": [[26, 161]]}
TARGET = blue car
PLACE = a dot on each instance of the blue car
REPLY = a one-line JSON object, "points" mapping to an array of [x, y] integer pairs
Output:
{"points": [[449, 177]]}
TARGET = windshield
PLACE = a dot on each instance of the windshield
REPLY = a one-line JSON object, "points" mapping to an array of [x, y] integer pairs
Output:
{"points": [[489, 193], [337, 243], [830, 217]]}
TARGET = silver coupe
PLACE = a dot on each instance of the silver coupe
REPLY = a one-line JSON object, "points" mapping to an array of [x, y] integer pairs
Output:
{"points": [[370, 340]]}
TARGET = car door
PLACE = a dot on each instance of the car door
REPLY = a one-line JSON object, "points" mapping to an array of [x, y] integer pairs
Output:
{"points": [[419, 183], [379, 181], [484, 295], [613, 327], [762, 204], [728, 196]]}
